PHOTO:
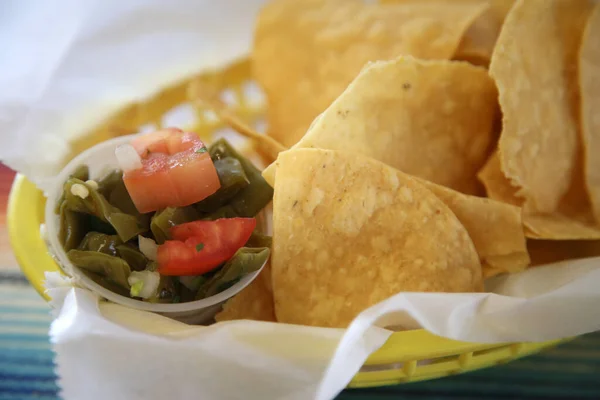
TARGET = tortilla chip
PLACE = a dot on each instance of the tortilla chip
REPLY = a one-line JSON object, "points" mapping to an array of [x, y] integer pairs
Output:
{"points": [[495, 228], [307, 52], [349, 231], [507, 264], [431, 119], [533, 67], [478, 42], [413, 136], [480, 39], [572, 221], [254, 302], [559, 227], [589, 84], [496, 185], [550, 251]]}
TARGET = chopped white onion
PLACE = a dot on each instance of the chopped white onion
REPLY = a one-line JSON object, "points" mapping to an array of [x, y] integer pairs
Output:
{"points": [[80, 190], [92, 183], [148, 247], [128, 158], [144, 284]]}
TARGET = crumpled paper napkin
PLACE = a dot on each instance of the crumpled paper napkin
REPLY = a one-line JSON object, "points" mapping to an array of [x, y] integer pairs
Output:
{"points": [[128, 354]]}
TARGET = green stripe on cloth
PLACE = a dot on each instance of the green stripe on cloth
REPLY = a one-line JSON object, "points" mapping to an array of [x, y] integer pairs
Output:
{"points": [[571, 370]]}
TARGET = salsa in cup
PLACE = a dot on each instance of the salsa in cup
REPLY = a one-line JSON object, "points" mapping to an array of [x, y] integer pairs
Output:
{"points": [[175, 223]]}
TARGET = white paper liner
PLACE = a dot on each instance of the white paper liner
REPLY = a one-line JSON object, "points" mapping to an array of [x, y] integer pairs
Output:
{"points": [[68, 65]]}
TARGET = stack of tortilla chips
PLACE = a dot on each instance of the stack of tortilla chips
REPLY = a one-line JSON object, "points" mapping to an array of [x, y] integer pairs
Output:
{"points": [[429, 145]]}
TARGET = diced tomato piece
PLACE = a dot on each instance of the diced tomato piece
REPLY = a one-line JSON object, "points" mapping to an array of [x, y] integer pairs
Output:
{"points": [[201, 246], [176, 171]]}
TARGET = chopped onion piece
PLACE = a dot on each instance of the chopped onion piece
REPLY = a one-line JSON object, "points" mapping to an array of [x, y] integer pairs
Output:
{"points": [[80, 190], [92, 183], [128, 158], [148, 247], [144, 284]]}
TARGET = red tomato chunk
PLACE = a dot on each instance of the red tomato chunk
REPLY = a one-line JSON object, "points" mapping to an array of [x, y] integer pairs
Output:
{"points": [[176, 171], [201, 246]]}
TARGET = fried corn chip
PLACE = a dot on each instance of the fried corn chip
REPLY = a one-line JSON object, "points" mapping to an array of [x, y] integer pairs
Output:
{"points": [[534, 69], [431, 119], [559, 227], [496, 184], [571, 222], [254, 302], [495, 228], [410, 131], [589, 83], [350, 231], [478, 41], [305, 53]]}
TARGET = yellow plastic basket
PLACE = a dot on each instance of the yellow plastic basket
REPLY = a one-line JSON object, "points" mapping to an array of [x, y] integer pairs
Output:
{"points": [[406, 357]]}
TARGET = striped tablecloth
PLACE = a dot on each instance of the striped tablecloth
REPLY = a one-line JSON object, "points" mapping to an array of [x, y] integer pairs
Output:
{"points": [[26, 369], [571, 370]]}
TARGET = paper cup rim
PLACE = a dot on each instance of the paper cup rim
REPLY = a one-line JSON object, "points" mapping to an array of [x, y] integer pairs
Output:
{"points": [[59, 254]]}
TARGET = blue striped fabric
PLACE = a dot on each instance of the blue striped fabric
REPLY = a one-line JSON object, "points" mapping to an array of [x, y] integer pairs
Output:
{"points": [[568, 371], [26, 359]]}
